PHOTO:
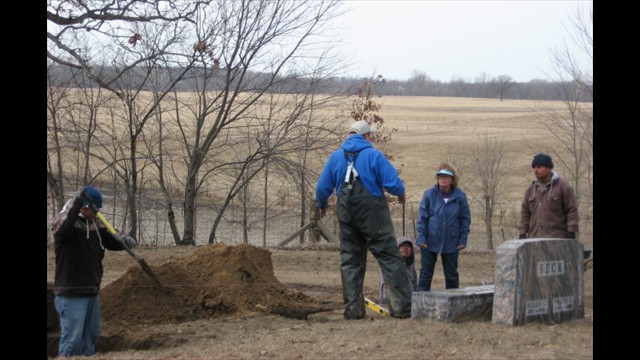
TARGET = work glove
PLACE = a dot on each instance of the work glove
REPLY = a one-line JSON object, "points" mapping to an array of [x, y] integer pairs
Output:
{"points": [[402, 199], [129, 241], [81, 195], [571, 235], [522, 236]]}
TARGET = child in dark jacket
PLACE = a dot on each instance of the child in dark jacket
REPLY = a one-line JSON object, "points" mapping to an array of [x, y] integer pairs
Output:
{"points": [[406, 250]]}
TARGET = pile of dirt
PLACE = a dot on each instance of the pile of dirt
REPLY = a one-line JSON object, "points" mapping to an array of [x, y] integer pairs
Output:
{"points": [[211, 281]]}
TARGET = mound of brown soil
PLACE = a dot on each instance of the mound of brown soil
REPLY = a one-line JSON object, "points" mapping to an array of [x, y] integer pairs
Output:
{"points": [[213, 280]]}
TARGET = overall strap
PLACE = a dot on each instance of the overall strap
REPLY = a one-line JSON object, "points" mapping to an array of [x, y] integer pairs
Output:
{"points": [[352, 173]]}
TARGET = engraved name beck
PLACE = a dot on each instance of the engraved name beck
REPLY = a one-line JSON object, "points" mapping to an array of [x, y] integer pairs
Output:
{"points": [[550, 268]]}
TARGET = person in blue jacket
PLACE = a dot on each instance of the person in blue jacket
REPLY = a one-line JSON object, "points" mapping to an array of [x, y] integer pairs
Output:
{"points": [[443, 225], [359, 173]]}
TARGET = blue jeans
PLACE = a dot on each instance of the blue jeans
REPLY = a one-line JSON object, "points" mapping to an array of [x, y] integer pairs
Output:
{"points": [[428, 261], [79, 324]]}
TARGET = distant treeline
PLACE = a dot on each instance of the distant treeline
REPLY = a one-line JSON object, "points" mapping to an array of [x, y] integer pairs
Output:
{"points": [[501, 87]]}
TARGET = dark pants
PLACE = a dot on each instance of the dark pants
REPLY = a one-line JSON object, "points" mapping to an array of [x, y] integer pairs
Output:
{"points": [[365, 224], [428, 261]]}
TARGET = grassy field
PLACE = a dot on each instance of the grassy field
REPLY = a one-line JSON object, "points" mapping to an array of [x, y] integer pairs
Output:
{"points": [[430, 130]]}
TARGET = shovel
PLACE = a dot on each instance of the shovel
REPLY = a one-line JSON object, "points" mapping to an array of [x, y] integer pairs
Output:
{"points": [[112, 231], [403, 232]]}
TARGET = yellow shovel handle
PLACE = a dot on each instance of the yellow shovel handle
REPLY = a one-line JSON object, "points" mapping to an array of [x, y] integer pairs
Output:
{"points": [[106, 223]]}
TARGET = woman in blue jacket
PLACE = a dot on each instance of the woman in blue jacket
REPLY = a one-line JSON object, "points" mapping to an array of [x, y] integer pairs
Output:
{"points": [[443, 226]]}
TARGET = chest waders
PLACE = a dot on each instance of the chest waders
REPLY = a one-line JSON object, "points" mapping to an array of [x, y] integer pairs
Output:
{"points": [[365, 224]]}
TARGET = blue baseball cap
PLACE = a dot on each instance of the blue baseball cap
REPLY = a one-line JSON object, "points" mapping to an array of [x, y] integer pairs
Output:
{"points": [[94, 195]]}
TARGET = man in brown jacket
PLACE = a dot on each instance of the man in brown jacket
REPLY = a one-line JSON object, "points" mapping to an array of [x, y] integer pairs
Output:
{"points": [[549, 208]]}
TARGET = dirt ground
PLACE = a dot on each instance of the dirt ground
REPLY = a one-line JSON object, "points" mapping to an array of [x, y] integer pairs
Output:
{"points": [[245, 302]]}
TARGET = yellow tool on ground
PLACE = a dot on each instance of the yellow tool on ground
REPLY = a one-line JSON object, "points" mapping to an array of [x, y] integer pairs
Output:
{"points": [[375, 307]]}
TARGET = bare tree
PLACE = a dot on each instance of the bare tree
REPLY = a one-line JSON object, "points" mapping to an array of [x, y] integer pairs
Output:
{"points": [[245, 48], [57, 114], [245, 190], [317, 136], [572, 128], [502, 84], [490, 164], [319, 142], [482, 86], [125, 155], [578, 65], [164, 162], [418, 83], [73, 110], [79, 32], [459, 87], [118, 45]]}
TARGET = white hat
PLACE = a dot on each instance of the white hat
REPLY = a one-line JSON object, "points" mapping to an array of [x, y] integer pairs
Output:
{"points": [[445, 172], [361, 127]]}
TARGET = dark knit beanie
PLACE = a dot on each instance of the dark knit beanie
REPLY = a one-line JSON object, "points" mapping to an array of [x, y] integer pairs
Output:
{"points": [[542, 159]]}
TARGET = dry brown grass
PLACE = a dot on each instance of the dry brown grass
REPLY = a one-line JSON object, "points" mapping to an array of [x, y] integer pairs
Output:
{"points": [[429, 130]]}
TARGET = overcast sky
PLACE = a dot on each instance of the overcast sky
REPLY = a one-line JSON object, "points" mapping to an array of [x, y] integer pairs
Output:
{"points": [[456, 39]]}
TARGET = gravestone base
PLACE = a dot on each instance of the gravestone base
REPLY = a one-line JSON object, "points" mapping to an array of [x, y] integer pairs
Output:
{"points": [[453, 305]]}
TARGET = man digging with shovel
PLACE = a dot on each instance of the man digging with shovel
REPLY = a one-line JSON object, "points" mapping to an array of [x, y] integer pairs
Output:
{"points": [[80, 240]]}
